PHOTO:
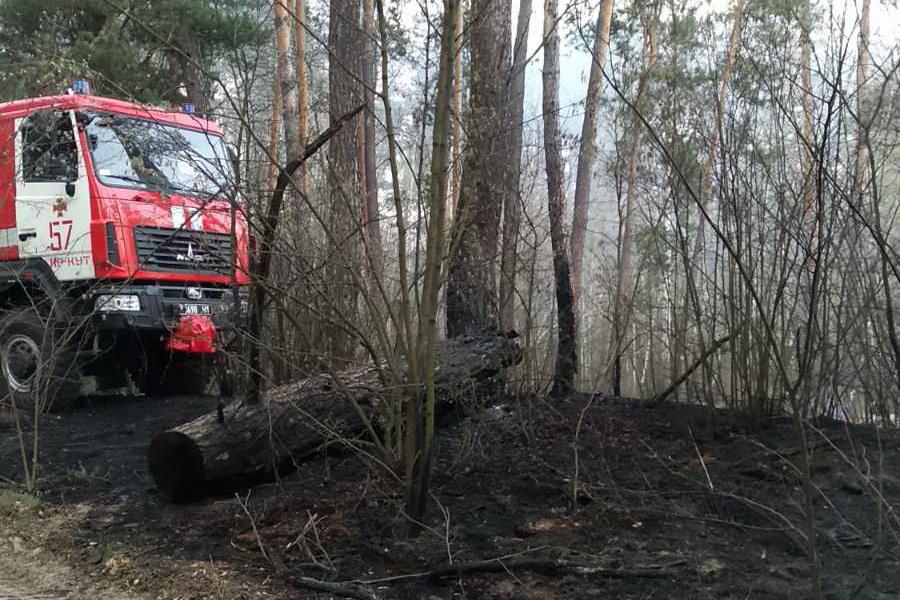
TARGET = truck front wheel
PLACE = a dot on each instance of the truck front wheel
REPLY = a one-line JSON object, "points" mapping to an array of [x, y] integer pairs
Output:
{"points": [[38, 362]]}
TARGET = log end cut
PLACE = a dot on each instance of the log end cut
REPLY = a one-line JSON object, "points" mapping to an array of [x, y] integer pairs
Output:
{"points": [[176, 465]]}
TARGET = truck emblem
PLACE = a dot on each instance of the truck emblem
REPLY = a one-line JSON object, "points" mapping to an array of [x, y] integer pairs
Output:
{"points": [[193, 293], [190, 256], [60, 207]]}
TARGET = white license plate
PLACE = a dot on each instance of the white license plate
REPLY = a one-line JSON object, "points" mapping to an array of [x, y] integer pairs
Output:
{"points": [[195, 309]]}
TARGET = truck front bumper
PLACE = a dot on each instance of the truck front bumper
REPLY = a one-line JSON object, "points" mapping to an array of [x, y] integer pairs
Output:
{"points": [[165, 308]]}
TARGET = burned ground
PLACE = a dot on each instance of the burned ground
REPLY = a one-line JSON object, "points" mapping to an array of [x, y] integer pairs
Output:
{"points": [[583, 498]]}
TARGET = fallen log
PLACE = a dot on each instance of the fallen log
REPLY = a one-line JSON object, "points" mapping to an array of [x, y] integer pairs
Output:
{"points": [[249, 442]]}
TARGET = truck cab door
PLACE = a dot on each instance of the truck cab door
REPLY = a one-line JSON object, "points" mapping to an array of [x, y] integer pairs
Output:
{"points": [[53, 204]]}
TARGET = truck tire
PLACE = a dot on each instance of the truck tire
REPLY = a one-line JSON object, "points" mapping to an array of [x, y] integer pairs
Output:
{"points": [[165, 373], [112, 379], [39, 368]]}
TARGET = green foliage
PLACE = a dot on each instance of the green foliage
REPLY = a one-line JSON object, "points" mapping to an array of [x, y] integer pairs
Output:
{"points": [[129, 48]]}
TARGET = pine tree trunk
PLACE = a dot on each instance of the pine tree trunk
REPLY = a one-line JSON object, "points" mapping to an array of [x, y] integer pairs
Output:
{"points": [[566, 349], [511, 204], [344, 192], [373, 218], [622, 305], [274, 135], [862, 75], [456, 130], [284, 73], [472, 302], [302, 83], [186, 58], [806, 150], [588, 150], [456, 117]]}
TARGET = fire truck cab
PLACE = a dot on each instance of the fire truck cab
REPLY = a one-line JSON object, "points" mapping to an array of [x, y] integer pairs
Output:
{"points": [[123, 251]]}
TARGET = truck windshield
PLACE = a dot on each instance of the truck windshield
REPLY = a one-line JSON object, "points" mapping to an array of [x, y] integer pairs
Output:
{"points": [[131, 152]]}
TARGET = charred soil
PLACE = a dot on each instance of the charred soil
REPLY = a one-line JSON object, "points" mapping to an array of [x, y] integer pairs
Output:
{"points": [[531, 499]]}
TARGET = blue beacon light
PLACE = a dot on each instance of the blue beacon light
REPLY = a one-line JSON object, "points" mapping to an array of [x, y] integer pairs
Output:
{"points": [[81, 86]]}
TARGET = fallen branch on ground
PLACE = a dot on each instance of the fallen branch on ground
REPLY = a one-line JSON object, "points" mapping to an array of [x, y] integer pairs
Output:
{"points": [[542, 565], [344, 590], [658, 398]]}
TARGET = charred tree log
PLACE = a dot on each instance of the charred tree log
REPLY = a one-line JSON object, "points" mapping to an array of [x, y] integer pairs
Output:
{"points": [[249, 442]]}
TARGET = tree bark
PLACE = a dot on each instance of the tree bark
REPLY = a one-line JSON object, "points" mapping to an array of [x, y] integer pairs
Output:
{"points": [[186, 57], [274, 135], [806, 149], [588, 150], [252, 442], [862, 75], [472, 285], [566, 349], [455, 149], [302, 83], [512, 201], [344, 92], [284, 73], [369, 155], [456, 132]]}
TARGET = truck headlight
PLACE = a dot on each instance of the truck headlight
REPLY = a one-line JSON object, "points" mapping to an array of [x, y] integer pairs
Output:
{"points": [[119, 302]]}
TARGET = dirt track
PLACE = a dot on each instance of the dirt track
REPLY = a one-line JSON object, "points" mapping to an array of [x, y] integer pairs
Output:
{"points": [[12, 590], [31, 574], [9, 590]]}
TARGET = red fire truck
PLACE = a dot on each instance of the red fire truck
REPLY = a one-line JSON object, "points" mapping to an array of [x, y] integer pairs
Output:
{"points": [[122, 251]]}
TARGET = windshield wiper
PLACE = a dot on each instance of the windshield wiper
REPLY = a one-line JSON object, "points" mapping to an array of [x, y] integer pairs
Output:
{"points": [[181, 188], [149, 185], [129, 179]]}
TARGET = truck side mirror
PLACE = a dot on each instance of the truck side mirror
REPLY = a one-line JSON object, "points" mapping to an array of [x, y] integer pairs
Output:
{"points": [[70, 189]]}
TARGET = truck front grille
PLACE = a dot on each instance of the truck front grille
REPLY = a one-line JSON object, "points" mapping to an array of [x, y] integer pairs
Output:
{"points": [[183, 250]]}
